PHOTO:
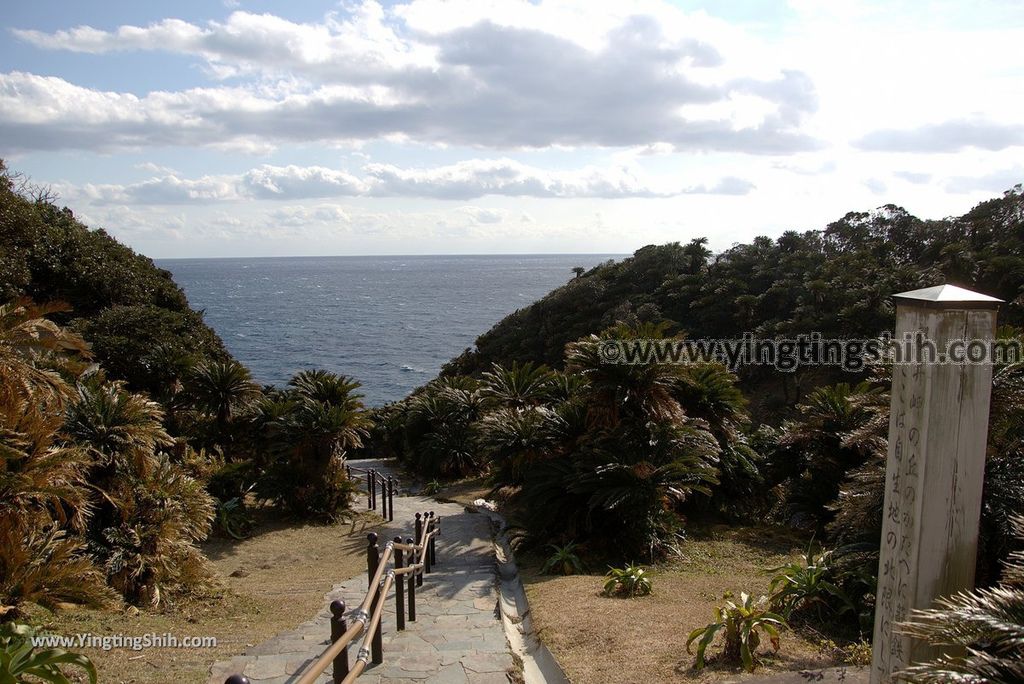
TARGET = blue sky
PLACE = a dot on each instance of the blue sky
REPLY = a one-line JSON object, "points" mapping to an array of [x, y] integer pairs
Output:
{"points": [[503, 126]]}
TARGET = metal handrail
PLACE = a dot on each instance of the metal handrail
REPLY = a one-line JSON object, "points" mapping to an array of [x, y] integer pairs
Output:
{"points": [[363, 658], [383, 568], [388, 485]]}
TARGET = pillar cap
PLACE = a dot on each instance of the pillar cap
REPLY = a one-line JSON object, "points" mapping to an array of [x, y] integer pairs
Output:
{"points": [[947, 297]]}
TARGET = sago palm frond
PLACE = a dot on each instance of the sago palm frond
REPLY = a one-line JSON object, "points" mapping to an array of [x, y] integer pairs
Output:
{"points": [[517, 386], [986, 627], [220, 388], [116, 426], [43, 565]]}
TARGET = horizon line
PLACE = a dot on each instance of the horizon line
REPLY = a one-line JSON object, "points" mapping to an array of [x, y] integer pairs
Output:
{"points": [[396, 256]]}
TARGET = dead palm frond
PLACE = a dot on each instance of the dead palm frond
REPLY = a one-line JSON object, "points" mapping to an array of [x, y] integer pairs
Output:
{"points": [[38, 476], [152, 551], [47, 567], [30, 349]]}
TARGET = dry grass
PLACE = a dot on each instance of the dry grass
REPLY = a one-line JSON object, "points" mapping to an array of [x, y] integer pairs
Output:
{"points": [[271, 582], [465, 491], [599, 639]]}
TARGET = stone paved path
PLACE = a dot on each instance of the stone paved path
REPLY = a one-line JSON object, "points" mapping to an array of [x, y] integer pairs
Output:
{"points": [[457, 636]]}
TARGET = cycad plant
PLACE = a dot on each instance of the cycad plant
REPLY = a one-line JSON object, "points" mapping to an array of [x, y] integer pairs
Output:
{"points": [[617, 391], [310, 430], [43, 496], [517, 386], [149, 551], [119, 429], [441, 424], [821, 456], [221, 388], [47, 567], [219, 391], [709, 392], [32, 352], [516, 438], [983, 627]]}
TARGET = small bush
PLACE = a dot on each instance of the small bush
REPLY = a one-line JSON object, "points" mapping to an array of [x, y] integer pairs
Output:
{"points": [[742, 623], [20, 659], [232, 518], [563, 561], [629, 581], [797, 586], [232, 480], [325, 499]]}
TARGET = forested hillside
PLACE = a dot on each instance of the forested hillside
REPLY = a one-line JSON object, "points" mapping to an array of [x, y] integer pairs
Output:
{"points": [[835, 281], [136, 318]]}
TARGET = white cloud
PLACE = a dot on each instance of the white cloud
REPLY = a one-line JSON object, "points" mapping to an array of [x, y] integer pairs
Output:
{"points": [[299, 215], [993, 182], [293, 182], [464, 180], [168, 189], [648, 77]]}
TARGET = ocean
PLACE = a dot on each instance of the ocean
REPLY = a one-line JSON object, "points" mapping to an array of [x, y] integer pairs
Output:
{"points": [[389, 322]]}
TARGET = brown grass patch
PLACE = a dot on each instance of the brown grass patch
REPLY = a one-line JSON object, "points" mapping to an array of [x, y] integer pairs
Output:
{"points": [[465, 491], [271, 582], [600, 639]]}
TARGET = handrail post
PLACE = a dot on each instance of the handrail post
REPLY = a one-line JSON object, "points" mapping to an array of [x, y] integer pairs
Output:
{"points": [[383, 497], [373, 489], [420, 555], [237, 679], [338, 627], [372, 556], [348, 471], [391, 499], [377, 642], [435, 526], [369, 489], [399, 589], [426, 547], [412, 583]]}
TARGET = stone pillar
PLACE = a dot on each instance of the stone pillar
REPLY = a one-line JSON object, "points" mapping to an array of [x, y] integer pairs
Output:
{"points": [[938, 427]]}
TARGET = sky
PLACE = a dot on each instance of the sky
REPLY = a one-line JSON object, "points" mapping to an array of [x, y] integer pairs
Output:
{"points": [[240, 128]]}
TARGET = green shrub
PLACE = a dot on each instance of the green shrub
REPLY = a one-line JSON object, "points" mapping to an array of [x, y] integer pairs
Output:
{"points": [[232, 518], [629, 581], [19, 659], [742, 623], [232, 481], [328, 498], [563, 561], [799, 585]]}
